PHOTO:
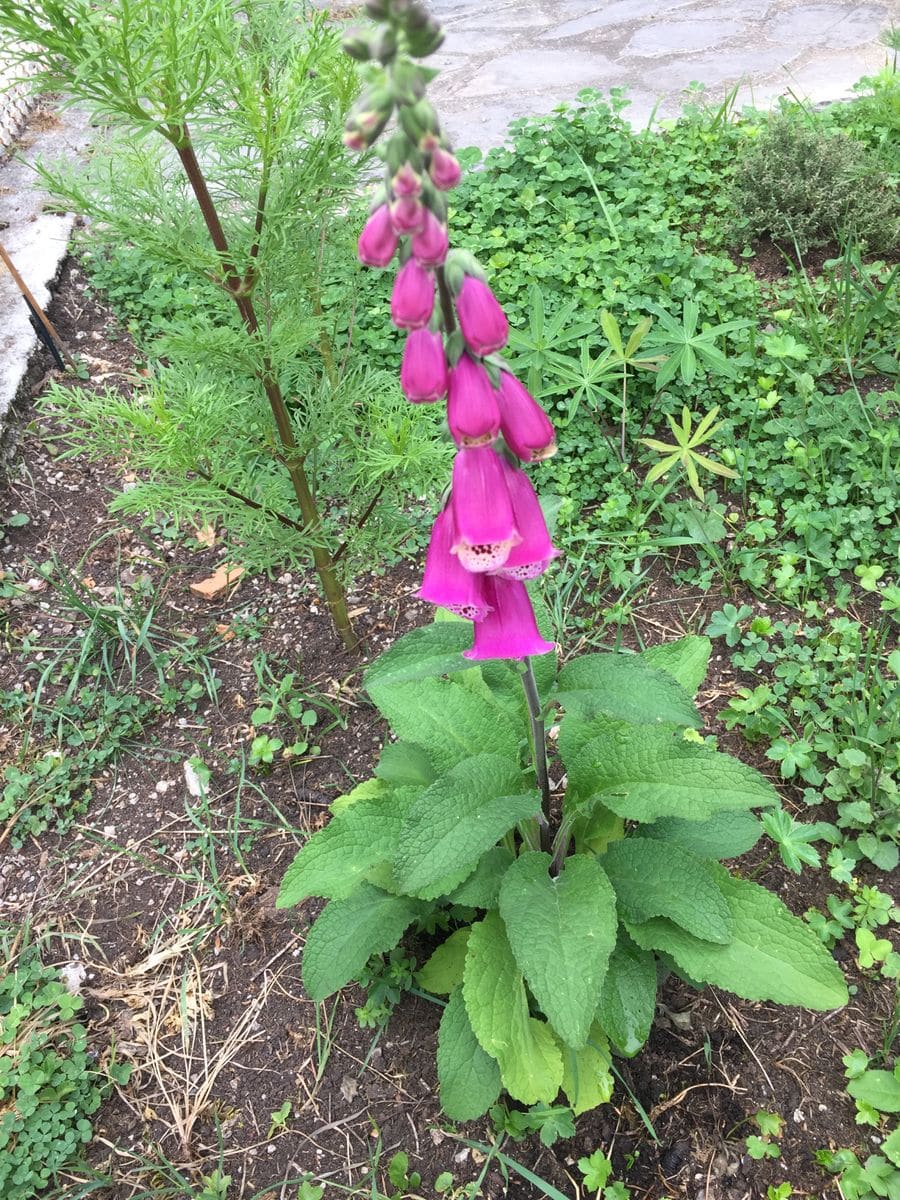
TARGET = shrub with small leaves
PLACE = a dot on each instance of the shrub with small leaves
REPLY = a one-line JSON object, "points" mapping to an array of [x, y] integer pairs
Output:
{"points": [[48, 1088], [799, 183]]}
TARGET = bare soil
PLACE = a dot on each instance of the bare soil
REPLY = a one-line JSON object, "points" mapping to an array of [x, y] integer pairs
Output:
{"points": [[193, 975]]}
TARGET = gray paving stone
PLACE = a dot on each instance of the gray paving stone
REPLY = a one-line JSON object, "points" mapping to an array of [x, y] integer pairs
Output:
{"points": [[561, 72], [831, 26], [670, 38]]}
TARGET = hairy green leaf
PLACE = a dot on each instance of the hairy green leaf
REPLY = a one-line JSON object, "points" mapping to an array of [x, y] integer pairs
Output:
{"points": [[424, 653], [647, 772], [628, 999], [772, 956], [405, 763], [659, 879], [562, 931], [497, 1006], [457, 819], [723, 835], [444, 970], [626, 687], [587, 1079], [347, 934], [686, 660], [451, 722], [469, 1079], [482, 888]]}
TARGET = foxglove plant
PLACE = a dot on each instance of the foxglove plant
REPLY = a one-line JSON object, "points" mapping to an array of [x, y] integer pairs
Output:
{"points": [[559, 932]]}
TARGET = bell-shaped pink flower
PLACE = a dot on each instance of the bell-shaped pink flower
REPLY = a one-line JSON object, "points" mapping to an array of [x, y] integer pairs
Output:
{"points": [[412, 300], [509, 630], [485, 530], [531, 556], [377, 242], [525, 426], [482, 320], [407, 215], [406, 182], [472, 412], [444, 170], [423, 372], [446, 581], [431, 244]]}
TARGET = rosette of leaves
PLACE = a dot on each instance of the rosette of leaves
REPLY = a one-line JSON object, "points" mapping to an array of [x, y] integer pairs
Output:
{"points": [[48, 1088], [552, 959]]}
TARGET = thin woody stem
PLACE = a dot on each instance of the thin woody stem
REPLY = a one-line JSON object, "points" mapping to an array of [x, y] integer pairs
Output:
{"points": [[237, 288]]}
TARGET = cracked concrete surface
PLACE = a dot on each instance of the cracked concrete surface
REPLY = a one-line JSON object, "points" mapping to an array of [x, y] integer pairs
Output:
{"points": [[519, 57]]}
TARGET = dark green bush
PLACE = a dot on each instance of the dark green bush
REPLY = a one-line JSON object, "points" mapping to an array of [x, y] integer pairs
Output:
{"points": [[799, 183]]}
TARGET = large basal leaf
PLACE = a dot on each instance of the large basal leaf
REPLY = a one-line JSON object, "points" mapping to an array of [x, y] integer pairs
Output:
{"points": [[469, 1079], [443, 972], [772, 955], [686, 660], [628, 1000], [448, 720], [347, 934], [647, 772], [424, 653], [458, 818], [626, 687], [497, 1006], [482, 888], [562, 931], [724, 835], [336, 859], [587, 1078], [658, 879], [405, 763]]}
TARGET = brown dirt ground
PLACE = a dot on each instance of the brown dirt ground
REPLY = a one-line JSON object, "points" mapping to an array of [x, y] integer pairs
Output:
{"points": [[194, 976]]}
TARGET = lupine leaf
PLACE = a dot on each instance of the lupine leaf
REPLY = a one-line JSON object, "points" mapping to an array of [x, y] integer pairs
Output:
{"points": [[453, 822], [659, 879], [469, 1079], [686, 660], [497, 1006], [347, 934], [627, 687], [562, 931], [647, 772], [628, 998], [448, 720], [772, 955]]}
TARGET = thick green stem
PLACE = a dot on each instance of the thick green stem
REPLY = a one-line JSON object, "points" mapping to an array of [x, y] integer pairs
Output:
{"points": [[538, 747], [239, 291]]}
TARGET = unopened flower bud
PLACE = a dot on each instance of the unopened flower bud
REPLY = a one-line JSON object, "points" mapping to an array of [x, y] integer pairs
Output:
{"points": [[444, 170], [412, 300], [358, 46], [407, 215], [431, 244], [425, 41], [406, 182], [386, 46], [377, 242], [481, 319]]}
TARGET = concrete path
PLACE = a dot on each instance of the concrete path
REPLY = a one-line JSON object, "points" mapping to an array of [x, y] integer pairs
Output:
{"points": [[516, 57], [34, 236]]}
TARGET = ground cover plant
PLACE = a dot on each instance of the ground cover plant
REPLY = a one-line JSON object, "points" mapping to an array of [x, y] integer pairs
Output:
{"points": [[249, 720]]}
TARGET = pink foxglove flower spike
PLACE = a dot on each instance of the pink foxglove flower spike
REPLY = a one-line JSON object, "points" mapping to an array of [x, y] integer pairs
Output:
{"points": [[412, 300], [482, 320], [482, 510], [509, 629], [472, 412], [430, 246], [446, 581], [378, 243], [525, 426], [444, 170], [423, 373], [532, 555]]}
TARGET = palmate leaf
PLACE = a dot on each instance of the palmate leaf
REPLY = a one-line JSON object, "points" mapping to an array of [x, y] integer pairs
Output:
{"points": [[647, 772], [562, 931], [772, 955]]}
